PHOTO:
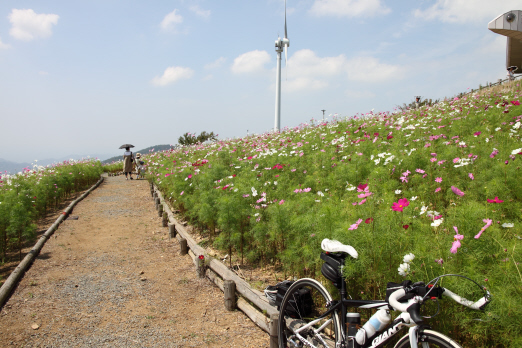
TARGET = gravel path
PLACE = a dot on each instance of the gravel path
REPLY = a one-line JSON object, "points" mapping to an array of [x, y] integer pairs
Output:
{"points": [[112, 278]]}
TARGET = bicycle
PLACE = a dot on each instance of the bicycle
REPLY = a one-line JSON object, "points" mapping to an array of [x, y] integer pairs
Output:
{"points": [[309, 317]]}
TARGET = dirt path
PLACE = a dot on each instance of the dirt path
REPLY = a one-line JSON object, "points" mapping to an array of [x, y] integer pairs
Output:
{"points": [[112, 278]]}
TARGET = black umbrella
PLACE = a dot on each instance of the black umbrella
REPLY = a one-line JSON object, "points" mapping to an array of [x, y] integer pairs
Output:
{"points": [[126, 145]]}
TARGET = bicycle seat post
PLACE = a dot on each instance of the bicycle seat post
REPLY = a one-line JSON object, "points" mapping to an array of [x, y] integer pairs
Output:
{"points": [[343, 296]]}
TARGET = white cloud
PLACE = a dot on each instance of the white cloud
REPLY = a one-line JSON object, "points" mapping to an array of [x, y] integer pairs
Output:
{"points": [[198, 11], [172, 74], [28, 25], [348, 8], [169, 22], [249, 62], [369, 69], [461, 11], [304, 83], [3, 45], [359, 94], [308, 71], [216, 64]]}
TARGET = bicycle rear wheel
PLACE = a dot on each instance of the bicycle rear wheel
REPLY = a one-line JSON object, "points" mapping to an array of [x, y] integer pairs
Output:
{"points": [[429, 339], [302, 306]]}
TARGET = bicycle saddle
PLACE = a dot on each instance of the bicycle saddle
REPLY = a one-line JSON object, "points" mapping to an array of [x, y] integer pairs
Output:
{"points": [[334, 246]]}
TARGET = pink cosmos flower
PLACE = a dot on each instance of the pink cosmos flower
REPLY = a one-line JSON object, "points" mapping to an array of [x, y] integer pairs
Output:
{"points": [[308, 189], [477, 134], [404, 179], [439, 180], [457, 191], [496, 200], [420, 171], [427, 145], [456, 159], [368, 220], [488, 222], [471, 176], [362, 187], [433, 159], [400, 205], [281, 201], [182, 192], [515, 102], [298, 190], [355, 225], [439, 261], [433, 154], [293, 170], [247, 195], [493, 154], [456, 241], [362, 202], [437, 189]]}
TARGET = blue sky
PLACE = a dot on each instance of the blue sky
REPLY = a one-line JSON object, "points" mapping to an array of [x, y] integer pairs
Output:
{"points": [[85, 77]]}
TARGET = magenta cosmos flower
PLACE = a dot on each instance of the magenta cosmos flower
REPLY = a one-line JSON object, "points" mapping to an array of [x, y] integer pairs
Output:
{"points": [[400, 205], [457, 191], [496, 200]]}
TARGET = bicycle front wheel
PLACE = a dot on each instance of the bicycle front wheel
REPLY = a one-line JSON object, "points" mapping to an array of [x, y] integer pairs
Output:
{"points": [[300, 317], [429, 339]]}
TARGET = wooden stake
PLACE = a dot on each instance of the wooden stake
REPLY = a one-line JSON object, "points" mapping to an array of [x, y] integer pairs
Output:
{"points": [[172, 231], [160, 210], [274, 339], [229, 289], [183, 246], [165, 219], [201, 266]]}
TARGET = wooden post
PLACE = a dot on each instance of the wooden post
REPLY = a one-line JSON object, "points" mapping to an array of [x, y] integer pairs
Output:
{"points": [[172, 231], [229, 289], [183, 246], [160, 210], [201, 266], [157, 202], [274, 339], [165, 219]]}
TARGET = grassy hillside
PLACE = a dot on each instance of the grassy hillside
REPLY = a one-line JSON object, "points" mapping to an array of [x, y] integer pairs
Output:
{"points": [[441, 182]]}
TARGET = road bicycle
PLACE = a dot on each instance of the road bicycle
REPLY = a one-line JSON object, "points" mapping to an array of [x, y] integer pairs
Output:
{"points": [[309, 317]]}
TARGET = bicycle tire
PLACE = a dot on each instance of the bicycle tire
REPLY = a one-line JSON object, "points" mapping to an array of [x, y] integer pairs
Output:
{"points": [[429, 339], [293, 317]]}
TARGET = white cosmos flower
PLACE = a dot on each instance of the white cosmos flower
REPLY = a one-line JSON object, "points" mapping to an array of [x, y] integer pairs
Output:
{"points": [[413, 198], [437, 222], [398, 192], [403, 269], [423, 209], [508, 224], [320, 193], [408, 258], [514, 152]]}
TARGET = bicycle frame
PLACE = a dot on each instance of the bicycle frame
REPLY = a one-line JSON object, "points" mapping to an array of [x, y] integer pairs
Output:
{"points": [[341, 308]]}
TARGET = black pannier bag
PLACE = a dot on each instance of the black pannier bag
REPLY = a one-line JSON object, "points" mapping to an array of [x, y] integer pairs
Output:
{"points": [[300, 305]]}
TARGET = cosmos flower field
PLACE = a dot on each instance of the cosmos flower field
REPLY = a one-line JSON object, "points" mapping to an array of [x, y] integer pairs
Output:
{"points": [[27, 196], [441, 183]]}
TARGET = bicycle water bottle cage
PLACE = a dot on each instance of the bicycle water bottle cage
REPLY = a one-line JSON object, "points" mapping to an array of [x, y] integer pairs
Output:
{"points": [[334, 246]]}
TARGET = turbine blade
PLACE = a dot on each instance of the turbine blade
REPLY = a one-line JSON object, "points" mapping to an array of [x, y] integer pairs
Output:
{"points": [[286, 36]]}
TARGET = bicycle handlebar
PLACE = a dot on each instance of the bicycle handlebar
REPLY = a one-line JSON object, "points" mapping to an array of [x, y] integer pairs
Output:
{"points": [[465, 302], [413, 306]]}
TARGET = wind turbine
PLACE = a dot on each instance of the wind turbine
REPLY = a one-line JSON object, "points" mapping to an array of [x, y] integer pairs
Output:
{"points": [[280, 44]]}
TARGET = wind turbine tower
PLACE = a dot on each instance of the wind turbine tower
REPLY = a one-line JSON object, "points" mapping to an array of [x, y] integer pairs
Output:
{"points": [[280, 44]]}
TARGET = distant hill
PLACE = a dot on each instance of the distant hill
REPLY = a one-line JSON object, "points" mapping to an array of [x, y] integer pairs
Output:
{"points": [[12, 167], [146, 150]]}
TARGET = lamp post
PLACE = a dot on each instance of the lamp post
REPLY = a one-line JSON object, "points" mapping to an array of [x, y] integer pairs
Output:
{"points": [[323, 114]]}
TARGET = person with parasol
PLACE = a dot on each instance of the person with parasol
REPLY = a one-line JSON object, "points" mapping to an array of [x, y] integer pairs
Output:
{"points": [[511, 72], [128, 159]]}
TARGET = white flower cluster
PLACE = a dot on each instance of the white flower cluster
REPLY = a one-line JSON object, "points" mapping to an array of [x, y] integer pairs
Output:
{"points": [[404, 268], [462, 162]]}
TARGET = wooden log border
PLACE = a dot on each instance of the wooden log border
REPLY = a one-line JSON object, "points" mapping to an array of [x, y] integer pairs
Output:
{"points": [[24, 265], [252, 302]]}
